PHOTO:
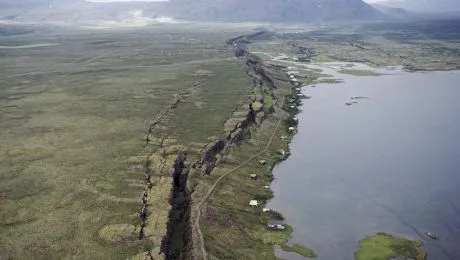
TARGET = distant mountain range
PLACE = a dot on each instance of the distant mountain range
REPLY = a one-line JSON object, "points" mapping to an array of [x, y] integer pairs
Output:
{"points": [[394, 12], [272, 10], [80, 11], [424, 6]]}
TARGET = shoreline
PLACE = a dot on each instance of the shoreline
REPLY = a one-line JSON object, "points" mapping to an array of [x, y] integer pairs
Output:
{"points": [[291, 105], [414, 245], [280, 119]]}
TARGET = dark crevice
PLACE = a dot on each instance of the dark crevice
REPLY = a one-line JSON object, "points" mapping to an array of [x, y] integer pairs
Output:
{"points": [[178, 242], [143, 213]]}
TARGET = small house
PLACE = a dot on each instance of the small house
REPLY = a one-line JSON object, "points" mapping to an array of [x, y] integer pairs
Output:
{"points": [[295, 119], [282, 152], [253, 176], [266, 210], [267, 187], [292, 129], [275, 225], [253, 203], [284, 138], [262, 162]]}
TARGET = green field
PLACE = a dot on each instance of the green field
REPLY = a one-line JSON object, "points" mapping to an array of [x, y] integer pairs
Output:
{"points": [[75, 117]]}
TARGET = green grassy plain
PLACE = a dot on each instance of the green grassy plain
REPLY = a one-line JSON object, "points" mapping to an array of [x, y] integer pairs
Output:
{"points": [[74, 120]]}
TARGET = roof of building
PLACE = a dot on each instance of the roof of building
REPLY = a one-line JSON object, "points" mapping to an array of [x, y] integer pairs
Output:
{"points": [[253, 203]]}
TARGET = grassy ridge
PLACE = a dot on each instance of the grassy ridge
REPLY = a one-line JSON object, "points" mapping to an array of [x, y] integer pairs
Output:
{"points": [[232, 229]]}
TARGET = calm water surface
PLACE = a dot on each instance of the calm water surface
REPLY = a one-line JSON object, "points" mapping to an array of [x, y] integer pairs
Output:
{"points": [[389, 163]]}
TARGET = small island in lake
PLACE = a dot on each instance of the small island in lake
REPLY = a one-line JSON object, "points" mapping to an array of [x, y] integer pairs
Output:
{"points": [[383, 246]]}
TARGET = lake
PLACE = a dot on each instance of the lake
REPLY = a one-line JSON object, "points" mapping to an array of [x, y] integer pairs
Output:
{"points": [[389, 163]]}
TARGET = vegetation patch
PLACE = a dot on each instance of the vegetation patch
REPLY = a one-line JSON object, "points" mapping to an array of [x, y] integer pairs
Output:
{"points": [[281, 237], [268, 103], [278, 237], [118, 232], [383, 246], [299, 249]]}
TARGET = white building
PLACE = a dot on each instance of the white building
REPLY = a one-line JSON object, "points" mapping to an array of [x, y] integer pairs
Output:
{"points": [[253, 203]]}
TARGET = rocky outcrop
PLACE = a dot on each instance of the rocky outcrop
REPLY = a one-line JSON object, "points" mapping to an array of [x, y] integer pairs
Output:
{"points": [[234, 136], [255, 69], [208, 157]]}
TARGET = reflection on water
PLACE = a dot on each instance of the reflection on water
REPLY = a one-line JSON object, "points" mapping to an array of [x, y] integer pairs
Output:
{"points": [[388, 163]]}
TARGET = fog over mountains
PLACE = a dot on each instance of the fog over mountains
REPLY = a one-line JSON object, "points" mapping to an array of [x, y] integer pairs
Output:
{"points": [[202, 10]]}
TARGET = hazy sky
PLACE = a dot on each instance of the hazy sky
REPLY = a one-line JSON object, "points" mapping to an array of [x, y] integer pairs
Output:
{"points": [[124, 0], [369, 1], [102, 1]]}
